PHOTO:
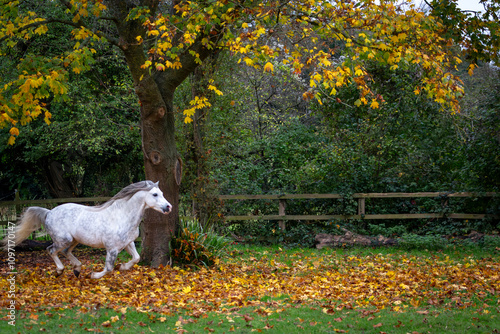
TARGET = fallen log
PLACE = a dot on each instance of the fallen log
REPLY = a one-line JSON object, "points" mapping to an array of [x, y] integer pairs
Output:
{"points": [[351, 239]]}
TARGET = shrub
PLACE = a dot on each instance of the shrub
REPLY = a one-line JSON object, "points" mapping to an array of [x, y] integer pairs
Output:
{"points": [[196, 246], [387, 231], [429, 241], [491, 242]]}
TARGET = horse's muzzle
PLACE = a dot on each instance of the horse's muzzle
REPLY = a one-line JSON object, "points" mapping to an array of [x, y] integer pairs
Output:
{"points": [[166, 209]]}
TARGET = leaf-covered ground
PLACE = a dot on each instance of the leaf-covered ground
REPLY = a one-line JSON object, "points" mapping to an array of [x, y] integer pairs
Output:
{"points": [[398, 281]]}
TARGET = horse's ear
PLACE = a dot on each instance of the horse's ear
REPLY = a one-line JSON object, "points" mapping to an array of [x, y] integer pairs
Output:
{"points": [[157, 184]]}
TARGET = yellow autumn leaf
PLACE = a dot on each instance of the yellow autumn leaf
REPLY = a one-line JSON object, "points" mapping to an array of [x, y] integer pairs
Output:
{"points": [[47, 117], [248, 61], [382, 46], [374, 104], [146, 64], [14, 131], [471, 69], [213, 88], [268, 67], [41, 30]]}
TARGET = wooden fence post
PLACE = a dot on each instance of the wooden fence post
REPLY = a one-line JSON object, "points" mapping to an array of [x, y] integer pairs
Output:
{"points": [[17, 199], [361, 206], [282, 208]]}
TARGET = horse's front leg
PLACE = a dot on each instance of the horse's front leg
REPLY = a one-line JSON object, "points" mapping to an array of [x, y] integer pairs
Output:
{"points": [[111, 255], [130, 248]]}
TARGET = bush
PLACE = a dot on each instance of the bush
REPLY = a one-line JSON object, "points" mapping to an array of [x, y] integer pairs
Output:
{"points": [[387, 231], [196, 246], [430, 242], [491, 242]]}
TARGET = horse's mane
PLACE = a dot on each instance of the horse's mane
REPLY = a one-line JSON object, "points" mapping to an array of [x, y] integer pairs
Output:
{"points": [[128, 192]]}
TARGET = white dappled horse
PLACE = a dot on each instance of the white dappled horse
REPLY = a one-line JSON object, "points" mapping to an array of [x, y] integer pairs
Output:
{"points": [[113, 225]]}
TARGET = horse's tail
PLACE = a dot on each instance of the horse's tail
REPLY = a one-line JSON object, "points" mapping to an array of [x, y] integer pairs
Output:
{"points": [[31, 221]]}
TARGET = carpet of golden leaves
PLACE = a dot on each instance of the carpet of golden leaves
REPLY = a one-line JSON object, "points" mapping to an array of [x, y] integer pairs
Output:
{"points": [[395, 281]]}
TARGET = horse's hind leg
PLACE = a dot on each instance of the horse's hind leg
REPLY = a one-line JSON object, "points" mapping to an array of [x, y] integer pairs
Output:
{"points": [[53, 250], [130, 248], [109, 265], [77, 265]]}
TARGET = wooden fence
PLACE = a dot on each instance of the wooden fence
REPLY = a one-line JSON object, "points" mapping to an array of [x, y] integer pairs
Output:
{"points": [[14, 207], [361, 198], [9, 210]]}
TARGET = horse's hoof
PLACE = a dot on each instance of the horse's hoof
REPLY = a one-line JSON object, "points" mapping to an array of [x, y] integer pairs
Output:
{"points": [[95, 275], [76, 272], [58, 273]]}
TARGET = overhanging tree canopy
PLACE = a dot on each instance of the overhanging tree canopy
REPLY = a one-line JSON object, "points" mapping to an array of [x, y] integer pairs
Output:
{"points": [[326, 43]]}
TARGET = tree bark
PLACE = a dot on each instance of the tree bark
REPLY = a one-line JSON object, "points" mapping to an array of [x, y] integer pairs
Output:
{"points": [[161, 160], [161, 163]]}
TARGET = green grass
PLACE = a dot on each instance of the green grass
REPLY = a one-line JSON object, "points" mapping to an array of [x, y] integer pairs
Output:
{"points": [[276, 317], [287, 255]]}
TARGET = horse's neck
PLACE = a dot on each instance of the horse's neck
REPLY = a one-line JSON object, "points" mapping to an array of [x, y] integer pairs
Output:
{"points": [[134, 207]]}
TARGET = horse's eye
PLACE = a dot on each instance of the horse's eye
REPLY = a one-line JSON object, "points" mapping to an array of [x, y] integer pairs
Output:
{"points": [[155, 195]]}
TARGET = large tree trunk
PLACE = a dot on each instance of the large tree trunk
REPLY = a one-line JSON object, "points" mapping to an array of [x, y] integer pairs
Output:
{"points": [[161, 160], [162, 163], [155, 90]]}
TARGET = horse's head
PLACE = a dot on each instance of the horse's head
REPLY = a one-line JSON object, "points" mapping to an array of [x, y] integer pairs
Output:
{"points": [[155, 200]]}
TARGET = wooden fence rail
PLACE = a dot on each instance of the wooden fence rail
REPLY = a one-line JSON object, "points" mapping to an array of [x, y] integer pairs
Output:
{"points": [[282, 216], [361, 197]]}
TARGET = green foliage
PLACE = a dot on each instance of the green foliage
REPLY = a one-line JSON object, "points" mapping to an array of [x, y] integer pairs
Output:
{"points": [[94, 137], [197, 246], [430, 242], [407, 145], [391, 231], [491, 242], [475, 32]]}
